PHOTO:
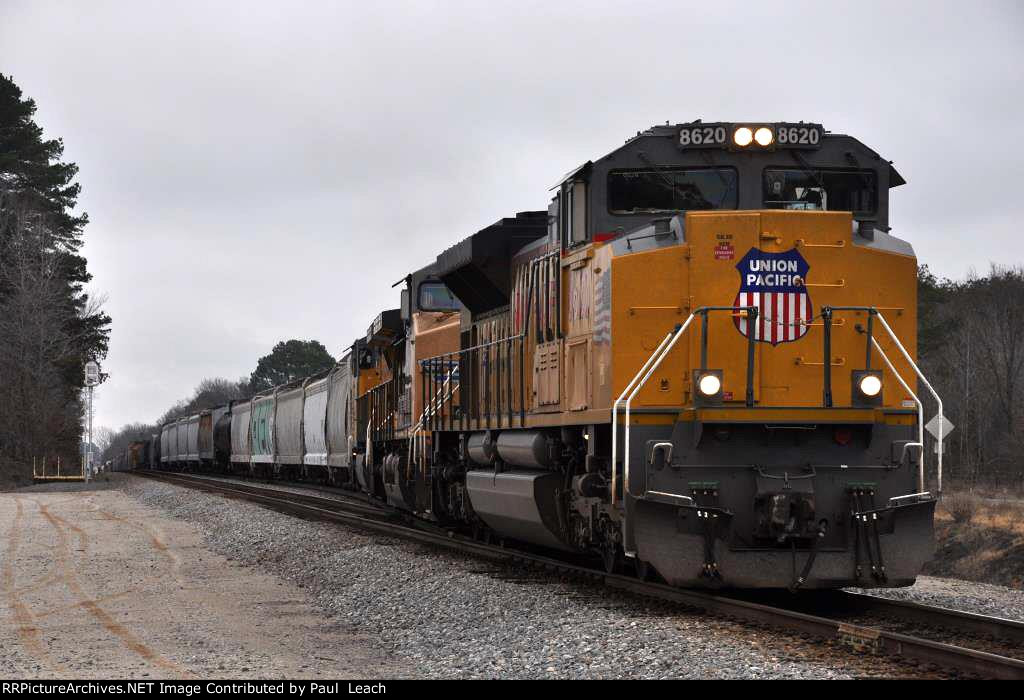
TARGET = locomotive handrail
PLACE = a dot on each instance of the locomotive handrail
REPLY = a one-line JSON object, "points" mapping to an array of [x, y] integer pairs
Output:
{"points": [[680, 330], [633, 387], [647, 370], [615, 410], [873, 312], [428, 364], [378, 401], [526, 322], [935, 395], [436, 402], [920, 416]]}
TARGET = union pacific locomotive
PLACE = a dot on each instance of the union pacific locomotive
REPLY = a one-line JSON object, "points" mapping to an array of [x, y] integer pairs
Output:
{"points": [[697, 363]]}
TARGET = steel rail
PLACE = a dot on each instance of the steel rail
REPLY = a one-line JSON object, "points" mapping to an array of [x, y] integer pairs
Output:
{"points": [[229, 484], [959, 620], [945, 656]]}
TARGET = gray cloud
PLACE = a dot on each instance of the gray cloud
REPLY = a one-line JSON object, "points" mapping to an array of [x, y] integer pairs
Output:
{"points": [[256, 172]]}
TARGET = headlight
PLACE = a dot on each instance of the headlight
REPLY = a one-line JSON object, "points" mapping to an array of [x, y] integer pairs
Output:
{"points": [[870, 385], [709, 385], [743, 136], [764, 136]]}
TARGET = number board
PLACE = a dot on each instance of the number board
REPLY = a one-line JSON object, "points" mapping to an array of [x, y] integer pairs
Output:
{"points": [[798, 135], [720, 136], [704, 135]]}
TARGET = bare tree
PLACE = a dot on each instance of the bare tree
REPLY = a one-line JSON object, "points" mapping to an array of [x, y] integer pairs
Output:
{"points": [[973, 345], [209, 393], [103, 437], [38, 343]]}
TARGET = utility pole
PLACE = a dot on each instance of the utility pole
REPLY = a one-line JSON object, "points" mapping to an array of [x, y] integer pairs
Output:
{"points": [[92, 378]]}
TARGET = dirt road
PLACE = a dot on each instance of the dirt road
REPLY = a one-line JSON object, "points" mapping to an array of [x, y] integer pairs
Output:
{"points": [[92, 584]]}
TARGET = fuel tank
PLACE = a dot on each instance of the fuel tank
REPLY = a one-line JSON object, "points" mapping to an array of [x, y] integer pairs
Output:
{"points": [[520, 505]]}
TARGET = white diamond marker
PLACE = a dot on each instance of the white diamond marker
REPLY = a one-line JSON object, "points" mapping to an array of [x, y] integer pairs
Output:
{"points": [[939, 429]]}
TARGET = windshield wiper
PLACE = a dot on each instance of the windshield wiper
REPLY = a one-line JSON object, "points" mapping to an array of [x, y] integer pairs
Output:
{"points": [[806, 167], [726, 186], [657, 169]]}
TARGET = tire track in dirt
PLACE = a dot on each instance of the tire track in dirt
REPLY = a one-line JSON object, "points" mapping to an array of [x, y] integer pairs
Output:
{"points": [[83, 539], [124, 636], [24, 620], [98, 600], [154, 538], [56, 577]]}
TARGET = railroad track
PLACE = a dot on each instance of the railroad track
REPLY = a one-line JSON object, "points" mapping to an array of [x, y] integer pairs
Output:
{"points": [[996, 644]]}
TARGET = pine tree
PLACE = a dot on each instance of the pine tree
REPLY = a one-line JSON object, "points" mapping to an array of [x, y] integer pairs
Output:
{"points": [[40, 243], [289, 361]]}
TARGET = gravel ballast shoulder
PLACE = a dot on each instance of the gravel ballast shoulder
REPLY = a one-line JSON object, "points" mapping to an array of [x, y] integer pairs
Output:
{"points": [[956, 594], [452, 616]]}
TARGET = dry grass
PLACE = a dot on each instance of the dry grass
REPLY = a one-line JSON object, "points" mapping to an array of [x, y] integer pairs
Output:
{"points": [[980, 539], [961, 507]]}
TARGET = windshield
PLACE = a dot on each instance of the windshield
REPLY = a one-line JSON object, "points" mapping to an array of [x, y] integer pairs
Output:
{"points": [[829, 190], [434, 296], [667, 189]]}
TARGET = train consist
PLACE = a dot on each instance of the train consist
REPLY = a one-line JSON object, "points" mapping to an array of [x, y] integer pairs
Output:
{"points": [[697, 362]]}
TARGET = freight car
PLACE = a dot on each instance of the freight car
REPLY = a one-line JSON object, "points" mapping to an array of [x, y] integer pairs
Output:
{"points": [[697, 362], [135, 455], [296, 431]]}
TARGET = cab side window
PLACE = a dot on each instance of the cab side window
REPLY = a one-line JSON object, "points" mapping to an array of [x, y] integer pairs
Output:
{"points": [[573, 213]]}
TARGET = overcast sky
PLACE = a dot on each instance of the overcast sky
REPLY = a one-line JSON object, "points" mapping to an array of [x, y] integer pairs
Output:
{"points": [[262, 171]]}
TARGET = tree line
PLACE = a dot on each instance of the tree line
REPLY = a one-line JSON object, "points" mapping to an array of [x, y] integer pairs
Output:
{"points": [[50, 327], [971, 346]]}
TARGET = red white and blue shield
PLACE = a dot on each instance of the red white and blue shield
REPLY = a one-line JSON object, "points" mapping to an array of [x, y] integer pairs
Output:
{"points": [[774, 283]]}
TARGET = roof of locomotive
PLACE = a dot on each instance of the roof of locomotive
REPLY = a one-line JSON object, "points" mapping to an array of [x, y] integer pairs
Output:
{"points": [[796, 146], [672, 131]]}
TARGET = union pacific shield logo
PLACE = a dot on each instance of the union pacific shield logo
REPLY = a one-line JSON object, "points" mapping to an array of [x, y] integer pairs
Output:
{"points": [[774, 283]]}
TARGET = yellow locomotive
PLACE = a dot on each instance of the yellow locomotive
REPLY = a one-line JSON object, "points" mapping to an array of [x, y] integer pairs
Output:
{"points": [[697, 362]]}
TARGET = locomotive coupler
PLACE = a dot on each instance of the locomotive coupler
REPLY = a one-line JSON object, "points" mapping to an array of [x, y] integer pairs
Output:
{"points": [[784, 508]]}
